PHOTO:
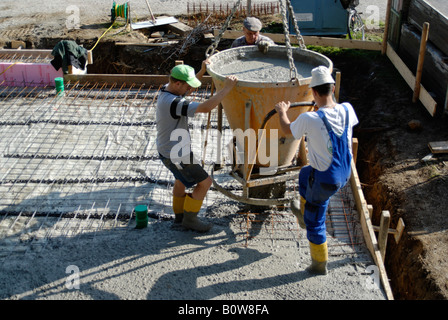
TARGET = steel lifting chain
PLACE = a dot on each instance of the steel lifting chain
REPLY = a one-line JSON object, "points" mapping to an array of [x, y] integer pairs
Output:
{"points": [[211, 49], [301, 42], [299, 37]]}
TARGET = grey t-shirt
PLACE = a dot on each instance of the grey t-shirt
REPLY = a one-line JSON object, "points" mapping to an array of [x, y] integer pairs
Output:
{"points": [[241, 41], [172, 114]]}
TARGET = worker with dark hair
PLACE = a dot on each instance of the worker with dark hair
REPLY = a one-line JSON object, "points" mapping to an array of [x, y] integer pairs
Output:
{"points": [[174, 145], [329, 134]]}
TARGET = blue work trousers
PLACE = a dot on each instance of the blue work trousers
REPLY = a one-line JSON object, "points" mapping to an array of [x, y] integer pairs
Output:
{"points": [[317, 187]]}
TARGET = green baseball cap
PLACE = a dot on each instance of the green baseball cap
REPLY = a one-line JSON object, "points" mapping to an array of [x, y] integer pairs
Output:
{"points": [[185, 73]]}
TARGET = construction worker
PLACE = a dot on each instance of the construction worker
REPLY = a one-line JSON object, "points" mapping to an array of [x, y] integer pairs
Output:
{"points": [[329, 134], [252, 36], [173, 142]]}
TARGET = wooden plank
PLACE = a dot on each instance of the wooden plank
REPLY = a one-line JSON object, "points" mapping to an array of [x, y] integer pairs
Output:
{"points": [[425, 98], [40, 53], [368, 232], [396, 232], [149, 43], [438, 146], [16, 44], [342, 43], [180, 28], [34, 53], [312, 40], [128, 79]]}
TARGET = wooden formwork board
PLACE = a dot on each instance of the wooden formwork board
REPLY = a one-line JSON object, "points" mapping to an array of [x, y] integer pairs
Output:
{"points": [[368, 231], [35, 53], [312, 40], [124, 79], [424, 96]]}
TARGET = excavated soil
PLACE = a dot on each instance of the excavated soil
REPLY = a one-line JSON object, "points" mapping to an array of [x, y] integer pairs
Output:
{"points": [[393, 139], [390, 165]]}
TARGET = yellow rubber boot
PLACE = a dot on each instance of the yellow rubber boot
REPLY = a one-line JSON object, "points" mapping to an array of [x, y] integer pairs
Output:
{"points": [[178, 209], [319, 258], [298, 209], [191, 220]]}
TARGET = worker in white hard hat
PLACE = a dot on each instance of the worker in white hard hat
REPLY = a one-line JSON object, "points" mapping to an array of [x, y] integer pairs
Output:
{"points": [[329, 135], [252, 36]]}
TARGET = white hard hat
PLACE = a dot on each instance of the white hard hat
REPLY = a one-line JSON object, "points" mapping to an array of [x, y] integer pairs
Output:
{"points": [[320, 75]]}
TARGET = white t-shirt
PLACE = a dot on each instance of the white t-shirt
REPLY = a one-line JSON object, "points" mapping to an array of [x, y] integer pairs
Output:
{"points": [[309, 124]]}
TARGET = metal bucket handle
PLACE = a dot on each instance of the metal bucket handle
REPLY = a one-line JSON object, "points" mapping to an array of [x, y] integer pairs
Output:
{"points": [[257, 201]]}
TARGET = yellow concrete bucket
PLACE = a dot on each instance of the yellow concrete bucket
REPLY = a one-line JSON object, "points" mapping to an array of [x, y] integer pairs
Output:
{"points": [[264, 80]]}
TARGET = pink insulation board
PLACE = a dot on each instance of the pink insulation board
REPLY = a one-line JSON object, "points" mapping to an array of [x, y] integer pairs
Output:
{"points": [[28, 74]]}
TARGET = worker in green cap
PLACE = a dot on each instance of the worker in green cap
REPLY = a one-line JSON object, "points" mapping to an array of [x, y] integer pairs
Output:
{"points": [[174, 145]]}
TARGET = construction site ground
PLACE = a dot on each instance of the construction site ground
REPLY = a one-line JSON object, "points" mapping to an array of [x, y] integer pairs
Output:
{"points": [[389, 164]]}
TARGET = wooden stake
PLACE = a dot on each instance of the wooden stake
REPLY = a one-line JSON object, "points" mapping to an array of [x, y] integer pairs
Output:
{"points": [[421, 59], [90, 57], [399, 231], [386, 27], [370, 208], [355, 149], [383, 232], [338, 86]]}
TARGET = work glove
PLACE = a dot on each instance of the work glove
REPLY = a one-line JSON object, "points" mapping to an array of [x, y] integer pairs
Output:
{"points": [[263, 46]]}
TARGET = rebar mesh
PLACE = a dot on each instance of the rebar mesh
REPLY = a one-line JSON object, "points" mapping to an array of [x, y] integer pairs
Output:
{"points": [[80, 162]]}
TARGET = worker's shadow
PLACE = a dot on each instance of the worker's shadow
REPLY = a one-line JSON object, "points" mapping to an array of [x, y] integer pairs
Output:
{"points": [[183, 284], [114, 255]]}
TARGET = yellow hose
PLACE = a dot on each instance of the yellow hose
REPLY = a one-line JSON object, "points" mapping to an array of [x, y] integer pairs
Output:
{"points": [[8, 68]]}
